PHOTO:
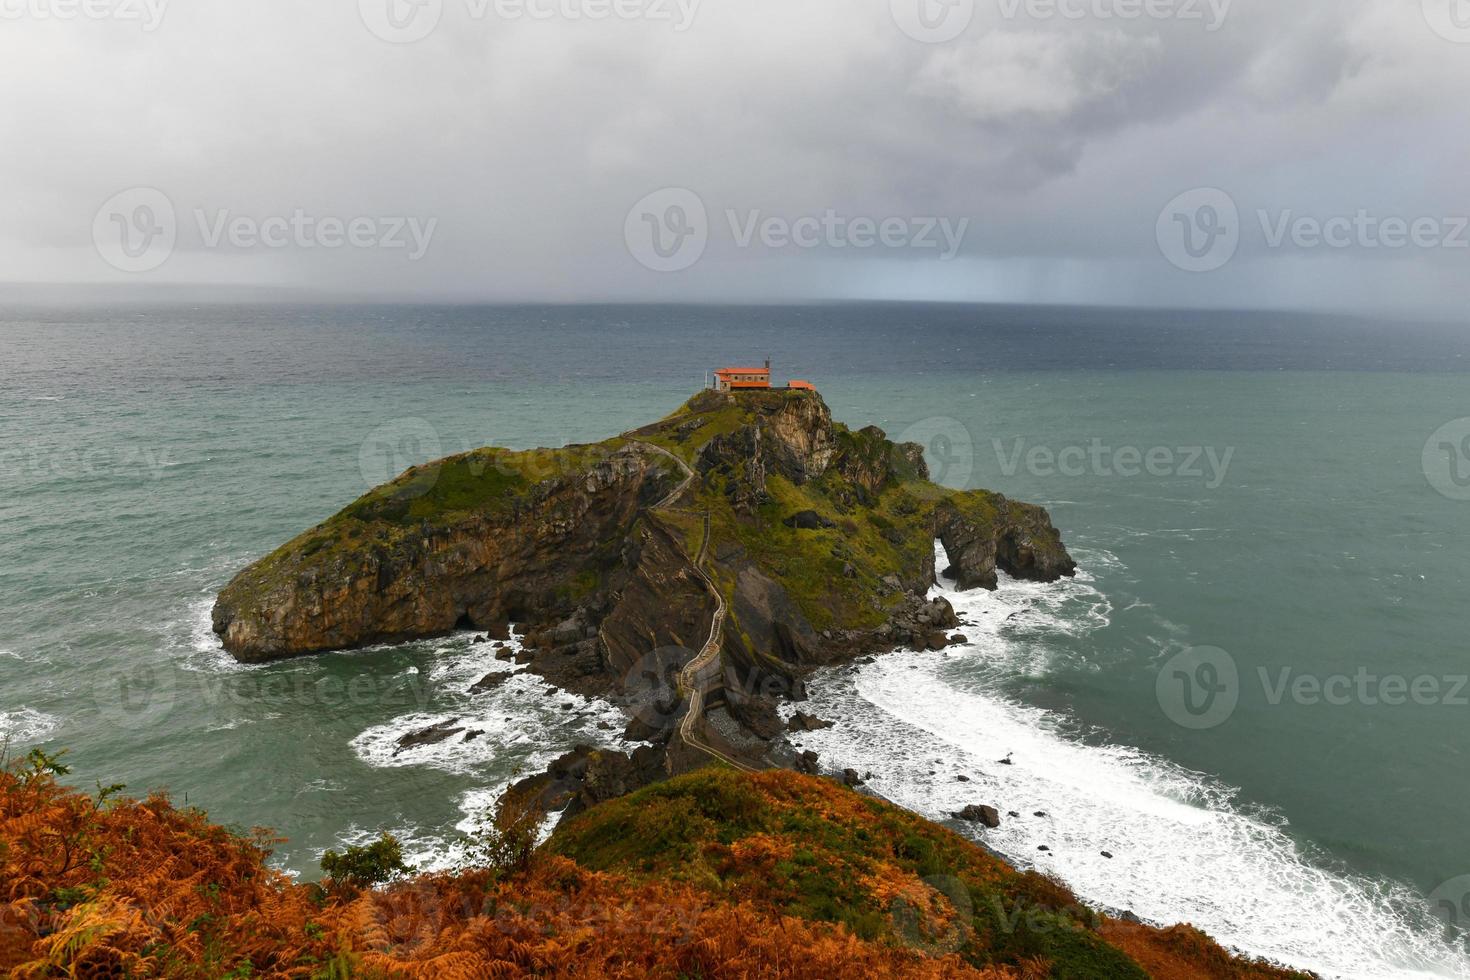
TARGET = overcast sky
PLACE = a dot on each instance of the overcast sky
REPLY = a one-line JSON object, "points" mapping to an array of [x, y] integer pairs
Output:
{"points": [[1081, 151]]}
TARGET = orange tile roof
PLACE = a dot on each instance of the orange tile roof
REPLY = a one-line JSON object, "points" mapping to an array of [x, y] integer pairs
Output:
{"points": [[743, 371]]}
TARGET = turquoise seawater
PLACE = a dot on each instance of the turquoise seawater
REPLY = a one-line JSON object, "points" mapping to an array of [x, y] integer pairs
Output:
{"points": [[1253, 486]]}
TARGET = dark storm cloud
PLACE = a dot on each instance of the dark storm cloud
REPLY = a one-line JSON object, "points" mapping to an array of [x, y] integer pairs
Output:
{"points": [[494, 148]]}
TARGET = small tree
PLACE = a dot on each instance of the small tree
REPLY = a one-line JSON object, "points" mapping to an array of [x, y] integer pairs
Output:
{"points": [[365, 867], [508, 839]]}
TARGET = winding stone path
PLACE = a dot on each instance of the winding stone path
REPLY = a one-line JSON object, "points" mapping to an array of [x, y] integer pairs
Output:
{"points": [[696, 676]]}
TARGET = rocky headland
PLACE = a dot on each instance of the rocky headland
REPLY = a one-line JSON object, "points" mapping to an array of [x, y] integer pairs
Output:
{"points": [[717, 557]]}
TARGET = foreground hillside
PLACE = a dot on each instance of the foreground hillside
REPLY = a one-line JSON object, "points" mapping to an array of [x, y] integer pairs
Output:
{"points": [[715, 874]]}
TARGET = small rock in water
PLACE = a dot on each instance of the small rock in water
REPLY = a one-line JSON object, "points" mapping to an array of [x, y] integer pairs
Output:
{"points": [[1013, 815], [1107, 855], [491, 681], [851, 778], [1043, 847], [1007, 760], [989, 816], [1039, 813], [962, 779], [803, 722], [432, 735]]}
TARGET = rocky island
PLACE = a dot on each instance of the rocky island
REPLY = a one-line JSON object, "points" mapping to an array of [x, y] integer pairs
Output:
{"points": [[707, 561]]}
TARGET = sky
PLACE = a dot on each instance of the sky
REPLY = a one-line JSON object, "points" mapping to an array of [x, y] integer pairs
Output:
{"points": [[1295, 154]]}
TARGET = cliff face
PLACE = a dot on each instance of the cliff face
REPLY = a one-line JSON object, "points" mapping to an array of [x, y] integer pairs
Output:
{"points": [[818, 537], [475, 541]]}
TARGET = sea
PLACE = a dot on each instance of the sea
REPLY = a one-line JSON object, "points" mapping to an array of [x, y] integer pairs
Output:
{"points": [[1253, 697]]}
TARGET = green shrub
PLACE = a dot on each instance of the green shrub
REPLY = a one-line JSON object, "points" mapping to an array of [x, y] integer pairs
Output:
{"points": [[365, 867]]}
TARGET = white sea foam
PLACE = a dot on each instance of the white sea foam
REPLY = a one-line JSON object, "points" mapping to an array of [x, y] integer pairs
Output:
{"points": [[26, 726], [1182, 850], [518, 728]]}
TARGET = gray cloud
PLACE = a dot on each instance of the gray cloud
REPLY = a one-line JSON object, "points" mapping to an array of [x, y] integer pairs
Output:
{"points": [[527, 141]]}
